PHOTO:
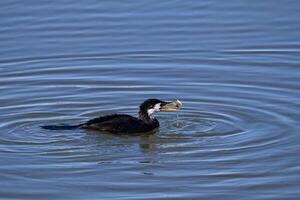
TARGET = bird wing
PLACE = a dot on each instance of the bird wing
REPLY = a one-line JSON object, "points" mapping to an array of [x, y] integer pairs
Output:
{"points": [[114, 123], [106, 118]]}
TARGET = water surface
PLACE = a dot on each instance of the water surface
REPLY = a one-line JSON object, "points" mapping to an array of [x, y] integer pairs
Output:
{"points": [[234, 65]]}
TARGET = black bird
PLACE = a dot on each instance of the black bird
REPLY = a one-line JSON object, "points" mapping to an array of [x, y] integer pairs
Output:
{"points": [[126, 124]]}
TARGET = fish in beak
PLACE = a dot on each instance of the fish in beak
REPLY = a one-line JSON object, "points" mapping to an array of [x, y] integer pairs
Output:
{"points": [[175, 105]]}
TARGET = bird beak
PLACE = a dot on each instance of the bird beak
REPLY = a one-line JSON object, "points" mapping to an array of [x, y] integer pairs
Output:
{"points": [[177, 105]]}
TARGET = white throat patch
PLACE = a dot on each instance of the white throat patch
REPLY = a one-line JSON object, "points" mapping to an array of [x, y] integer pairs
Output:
{"points": [[153, 110]]}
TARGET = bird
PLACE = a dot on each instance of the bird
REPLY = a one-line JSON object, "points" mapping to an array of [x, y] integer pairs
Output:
{"points": [[126, 124]]}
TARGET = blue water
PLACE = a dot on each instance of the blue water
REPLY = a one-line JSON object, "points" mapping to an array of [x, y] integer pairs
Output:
{"points": [[233, 64]]}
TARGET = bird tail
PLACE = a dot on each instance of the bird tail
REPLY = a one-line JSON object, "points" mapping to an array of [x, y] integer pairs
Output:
{"points": [[61, 127]]}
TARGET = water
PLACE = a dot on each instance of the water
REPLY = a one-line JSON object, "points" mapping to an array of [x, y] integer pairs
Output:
{"points": [[234, 65]]}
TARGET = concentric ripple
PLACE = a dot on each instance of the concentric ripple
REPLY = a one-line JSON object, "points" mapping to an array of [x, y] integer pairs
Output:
{"points": [[233, 64], [239, 119], [230, 126]]}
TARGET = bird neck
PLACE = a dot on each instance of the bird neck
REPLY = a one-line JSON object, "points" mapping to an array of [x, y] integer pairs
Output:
{"points": [[144, 116]]}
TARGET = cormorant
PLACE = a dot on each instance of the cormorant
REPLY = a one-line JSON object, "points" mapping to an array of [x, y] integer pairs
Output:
{"points": [[126, 124]]}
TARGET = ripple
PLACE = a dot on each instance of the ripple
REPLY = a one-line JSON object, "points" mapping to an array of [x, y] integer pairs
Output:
{"points": [[227, 127], [237, 74], [230, 125]]}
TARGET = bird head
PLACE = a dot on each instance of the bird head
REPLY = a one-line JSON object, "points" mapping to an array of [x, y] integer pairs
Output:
{"points": [[151, 106]]}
